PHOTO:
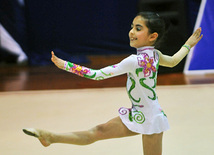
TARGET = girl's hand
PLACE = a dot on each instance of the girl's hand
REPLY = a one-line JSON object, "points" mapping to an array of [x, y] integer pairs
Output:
{"points": [[57, 61], [194, 38]]}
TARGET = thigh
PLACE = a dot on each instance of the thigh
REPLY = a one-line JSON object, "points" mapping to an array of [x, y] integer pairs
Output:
{"points": [[112, 129], [152, 144]]}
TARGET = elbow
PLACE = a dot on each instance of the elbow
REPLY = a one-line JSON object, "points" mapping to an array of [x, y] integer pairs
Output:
{"points": [[96, 78], [99, 78], [172, 64]]}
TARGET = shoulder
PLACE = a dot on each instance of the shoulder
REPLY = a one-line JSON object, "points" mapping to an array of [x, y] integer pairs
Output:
{"points": [[130, 58], [158, 52], [129, 62]]}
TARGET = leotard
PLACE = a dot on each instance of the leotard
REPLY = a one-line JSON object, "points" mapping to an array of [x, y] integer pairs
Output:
{"points": [[145, 115]]}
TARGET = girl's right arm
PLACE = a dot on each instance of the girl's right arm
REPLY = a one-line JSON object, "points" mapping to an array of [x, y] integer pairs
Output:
{"points": [[123, 67]]}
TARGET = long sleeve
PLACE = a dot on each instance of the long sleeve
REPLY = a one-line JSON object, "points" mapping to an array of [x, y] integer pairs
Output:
{"points": [[171, 61], [123, 67]]}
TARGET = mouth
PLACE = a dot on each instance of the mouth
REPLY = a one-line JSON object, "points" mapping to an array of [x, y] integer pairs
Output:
{"points": [[133, 39]]}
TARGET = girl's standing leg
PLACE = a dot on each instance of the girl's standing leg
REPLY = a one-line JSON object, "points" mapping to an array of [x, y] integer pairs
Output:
{"points": [[112, 129], [152, 144]]}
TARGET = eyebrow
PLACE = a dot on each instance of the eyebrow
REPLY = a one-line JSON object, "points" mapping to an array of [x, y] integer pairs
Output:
{"points": [[137, 25]]}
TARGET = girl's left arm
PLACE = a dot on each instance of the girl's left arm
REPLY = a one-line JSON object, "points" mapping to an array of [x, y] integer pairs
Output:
{"points": [[171, 61]]}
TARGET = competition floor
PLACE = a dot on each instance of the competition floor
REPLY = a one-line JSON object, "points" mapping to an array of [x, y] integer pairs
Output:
{"points": [[188, 103]]}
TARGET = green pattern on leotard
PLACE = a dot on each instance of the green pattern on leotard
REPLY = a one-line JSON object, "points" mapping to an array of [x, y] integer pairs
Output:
{"points": [[69, 65], [138, 70], [90, 76], [153, 77], [99, 78], [147, 87], [130, 116], [138, 117], [131, 88], [105, 73]]}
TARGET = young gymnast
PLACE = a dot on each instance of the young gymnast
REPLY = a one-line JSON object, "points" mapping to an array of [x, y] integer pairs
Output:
{"points": [[145, 116]]}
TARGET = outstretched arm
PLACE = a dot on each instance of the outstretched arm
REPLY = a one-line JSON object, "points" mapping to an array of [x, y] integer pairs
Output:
{"points": [[123, 67], [171, 61]]}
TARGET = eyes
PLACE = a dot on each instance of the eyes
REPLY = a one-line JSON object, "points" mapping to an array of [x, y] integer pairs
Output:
{"points": [[137, 27]]}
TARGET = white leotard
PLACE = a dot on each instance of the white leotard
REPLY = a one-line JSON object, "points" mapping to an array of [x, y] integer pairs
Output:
{"points": [[145, 115]]}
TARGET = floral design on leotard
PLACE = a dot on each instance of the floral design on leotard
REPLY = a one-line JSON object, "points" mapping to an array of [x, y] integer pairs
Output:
{"points": [[147, 64], [77, 69], [87, 72], [147, 67]]}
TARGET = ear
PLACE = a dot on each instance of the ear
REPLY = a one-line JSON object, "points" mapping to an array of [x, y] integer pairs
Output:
{"points": [[153, 37]]}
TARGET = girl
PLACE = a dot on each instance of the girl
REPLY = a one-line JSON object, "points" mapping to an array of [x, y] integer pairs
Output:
{"points": [[145, 116]]}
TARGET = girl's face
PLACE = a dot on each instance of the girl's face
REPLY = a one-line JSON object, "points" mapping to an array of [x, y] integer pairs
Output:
{"points": [[139, 34]]}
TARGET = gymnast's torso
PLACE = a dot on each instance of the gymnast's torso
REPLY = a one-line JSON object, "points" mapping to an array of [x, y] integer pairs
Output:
{"points": [[145, 115]]}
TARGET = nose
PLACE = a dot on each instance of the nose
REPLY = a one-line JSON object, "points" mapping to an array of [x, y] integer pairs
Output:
{"points": [[131, 32]]}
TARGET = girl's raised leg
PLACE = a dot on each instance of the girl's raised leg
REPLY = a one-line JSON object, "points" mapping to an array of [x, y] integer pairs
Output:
{"points": [[112, 129]]}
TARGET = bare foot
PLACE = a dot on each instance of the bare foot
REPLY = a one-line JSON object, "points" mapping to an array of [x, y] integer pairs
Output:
{"points": [[43, 136], [57, 61]]}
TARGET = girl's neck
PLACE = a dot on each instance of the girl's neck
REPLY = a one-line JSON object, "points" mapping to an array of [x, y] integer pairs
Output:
{"points": [[145, 48]]}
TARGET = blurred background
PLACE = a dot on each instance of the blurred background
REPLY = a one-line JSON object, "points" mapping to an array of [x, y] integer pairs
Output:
{"points": [[92, 33], [75, 29]]}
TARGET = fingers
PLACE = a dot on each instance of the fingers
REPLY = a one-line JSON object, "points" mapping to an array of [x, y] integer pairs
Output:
{"points": [[197, 33], [200, 37], [52, 54]]}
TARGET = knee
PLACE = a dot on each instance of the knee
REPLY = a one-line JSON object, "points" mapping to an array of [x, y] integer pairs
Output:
{"points": [[93, 135], [97, 132]]}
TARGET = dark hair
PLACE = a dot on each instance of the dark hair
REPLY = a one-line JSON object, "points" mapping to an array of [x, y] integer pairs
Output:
{"points": [[155, 24]]}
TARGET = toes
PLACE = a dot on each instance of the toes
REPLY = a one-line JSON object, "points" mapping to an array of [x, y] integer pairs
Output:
{"points": [[31, 132]]}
